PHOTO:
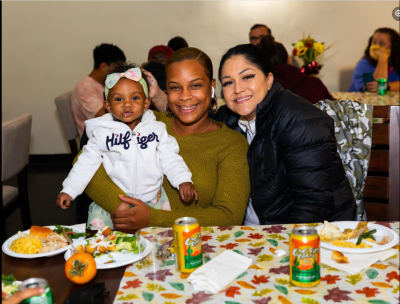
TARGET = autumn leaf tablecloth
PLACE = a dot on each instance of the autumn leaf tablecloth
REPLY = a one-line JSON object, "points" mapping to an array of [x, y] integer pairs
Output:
{"points": [[267, 280]]}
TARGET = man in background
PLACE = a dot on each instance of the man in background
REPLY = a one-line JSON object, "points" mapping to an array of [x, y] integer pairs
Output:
{"points": [[258, 31], [158, 56], [87, 97], [177, 43]]}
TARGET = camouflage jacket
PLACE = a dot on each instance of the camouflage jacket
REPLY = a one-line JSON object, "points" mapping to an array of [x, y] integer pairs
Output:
{"points": [[353, 130]]}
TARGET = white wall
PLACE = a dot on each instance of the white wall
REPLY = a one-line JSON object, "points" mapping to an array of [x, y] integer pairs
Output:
{"points": [[47, 46]]}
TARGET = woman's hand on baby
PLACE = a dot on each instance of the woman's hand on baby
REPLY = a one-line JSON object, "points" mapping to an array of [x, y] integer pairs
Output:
{"points": [[126, 218], [153, 84], [61, 198], [187, 192]]}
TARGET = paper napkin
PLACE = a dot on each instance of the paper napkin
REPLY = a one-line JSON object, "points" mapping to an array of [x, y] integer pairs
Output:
{"points": [[219, 272], [81, 227], [357, 262]]}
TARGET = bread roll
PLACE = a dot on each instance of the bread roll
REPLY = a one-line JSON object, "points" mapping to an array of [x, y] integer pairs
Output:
{"points": [[40, 231]]}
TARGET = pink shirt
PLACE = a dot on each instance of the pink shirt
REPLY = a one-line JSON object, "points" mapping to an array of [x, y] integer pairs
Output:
{"points": [[87, 100]]}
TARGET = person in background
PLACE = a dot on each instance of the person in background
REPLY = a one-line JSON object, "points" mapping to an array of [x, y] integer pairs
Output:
{"points": [[158, 56], [258, 31], [87, 97], [289, 77], [177, 43], [296, 174], [381, 60]]}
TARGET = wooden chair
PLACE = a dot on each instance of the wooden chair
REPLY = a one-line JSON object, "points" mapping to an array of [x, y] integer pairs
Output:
{"points": [[381, 192], [63, 104], [16, 134]]}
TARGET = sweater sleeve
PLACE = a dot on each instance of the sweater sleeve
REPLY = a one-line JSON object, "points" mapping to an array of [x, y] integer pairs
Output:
{"points": [[307, 157], [231, 197], [172, 164]]}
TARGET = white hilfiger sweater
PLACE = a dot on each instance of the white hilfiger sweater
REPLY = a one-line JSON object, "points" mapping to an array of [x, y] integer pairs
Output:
{"points": [[135, 160]]}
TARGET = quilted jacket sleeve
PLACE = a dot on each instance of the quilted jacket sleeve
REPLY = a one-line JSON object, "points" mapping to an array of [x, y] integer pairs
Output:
{"points": [[307, 156]]}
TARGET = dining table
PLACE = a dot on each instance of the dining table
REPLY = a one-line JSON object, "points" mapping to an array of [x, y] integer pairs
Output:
{"points": [[265, 281]]}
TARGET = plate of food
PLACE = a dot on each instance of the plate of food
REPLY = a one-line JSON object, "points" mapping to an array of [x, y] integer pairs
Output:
{"points": [[356, 237], [112, 249], [40, 241], [9, 286]]}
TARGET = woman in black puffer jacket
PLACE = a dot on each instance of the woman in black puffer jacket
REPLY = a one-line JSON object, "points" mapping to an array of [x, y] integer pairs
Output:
{"points": [[296, 173]]}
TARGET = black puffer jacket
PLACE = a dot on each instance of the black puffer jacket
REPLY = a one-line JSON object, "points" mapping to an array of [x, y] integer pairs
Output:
{"points": [[296, 174]]}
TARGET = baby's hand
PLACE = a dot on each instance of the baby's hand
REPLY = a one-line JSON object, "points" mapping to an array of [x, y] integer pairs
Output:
{"points": [[187, 192], [61, 198]]}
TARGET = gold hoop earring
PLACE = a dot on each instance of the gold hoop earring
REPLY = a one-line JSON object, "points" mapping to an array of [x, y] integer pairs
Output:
{"points": [[168, 111]]}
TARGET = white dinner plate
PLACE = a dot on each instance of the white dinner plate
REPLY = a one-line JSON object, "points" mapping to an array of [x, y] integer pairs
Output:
{"points": [[15, 282], [7, 244], [381, 231], [121, 259]]}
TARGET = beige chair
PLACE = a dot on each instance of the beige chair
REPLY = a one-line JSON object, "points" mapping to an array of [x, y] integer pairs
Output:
{"points": [[15, 158], [63, 104], [345, 74]]}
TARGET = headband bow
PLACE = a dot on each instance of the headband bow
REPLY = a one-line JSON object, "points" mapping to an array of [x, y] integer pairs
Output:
{"points": [[134, 74]]}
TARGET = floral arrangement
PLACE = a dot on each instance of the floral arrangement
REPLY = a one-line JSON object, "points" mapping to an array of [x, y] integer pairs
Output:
{"points": [[308, 49]]}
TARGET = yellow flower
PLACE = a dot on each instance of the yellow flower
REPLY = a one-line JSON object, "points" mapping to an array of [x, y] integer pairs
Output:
{"points": [[301, 51], [318, 47], [299, 44]]}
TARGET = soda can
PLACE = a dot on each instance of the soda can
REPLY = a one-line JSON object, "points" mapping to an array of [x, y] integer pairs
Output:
{"points": [[187, 245], [304, 250], [382, 86], [44, 298]]}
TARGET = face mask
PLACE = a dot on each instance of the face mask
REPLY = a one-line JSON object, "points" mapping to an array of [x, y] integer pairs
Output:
{"points": [[373, 51]]}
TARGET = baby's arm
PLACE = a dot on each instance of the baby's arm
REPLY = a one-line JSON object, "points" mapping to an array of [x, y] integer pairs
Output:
{"points": [[81, 174]]}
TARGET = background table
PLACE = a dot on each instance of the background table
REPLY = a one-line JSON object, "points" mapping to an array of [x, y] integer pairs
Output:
{"points": [[390, 99], [267, 280]]}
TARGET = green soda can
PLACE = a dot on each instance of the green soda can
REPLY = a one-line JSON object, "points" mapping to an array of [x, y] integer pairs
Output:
{"points": [[382, 86], [44, 298]]}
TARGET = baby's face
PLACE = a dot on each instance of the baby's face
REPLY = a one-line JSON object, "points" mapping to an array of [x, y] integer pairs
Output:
{"points": [[127, 102]]}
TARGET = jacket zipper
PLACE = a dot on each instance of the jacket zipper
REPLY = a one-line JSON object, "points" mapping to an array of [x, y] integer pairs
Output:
{"points": [[135, 181], [134, 132]]}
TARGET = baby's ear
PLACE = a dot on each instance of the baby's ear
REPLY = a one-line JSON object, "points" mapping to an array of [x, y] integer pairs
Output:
{"points": [[147, 103], [106, 105]]}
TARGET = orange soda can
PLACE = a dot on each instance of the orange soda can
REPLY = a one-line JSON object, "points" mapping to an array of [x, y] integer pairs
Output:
{"points": [[187, 245], [304, 250]]}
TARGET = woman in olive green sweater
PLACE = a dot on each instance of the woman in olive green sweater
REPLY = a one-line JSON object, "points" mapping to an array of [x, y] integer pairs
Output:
{"points": [[215, 154]]}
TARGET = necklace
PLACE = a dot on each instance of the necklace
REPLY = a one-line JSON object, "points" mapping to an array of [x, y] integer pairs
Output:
{"points": [[176, 132]]}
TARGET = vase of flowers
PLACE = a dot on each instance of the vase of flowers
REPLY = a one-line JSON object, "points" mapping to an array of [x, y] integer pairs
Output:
{"points": [[308, 49]]}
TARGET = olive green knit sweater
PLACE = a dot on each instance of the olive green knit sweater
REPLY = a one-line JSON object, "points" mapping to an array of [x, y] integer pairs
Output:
{"points": [[220, 174]]}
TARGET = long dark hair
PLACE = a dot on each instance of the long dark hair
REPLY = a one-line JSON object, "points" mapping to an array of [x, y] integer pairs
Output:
{"points": [[275, 51], [252, 54], [395, 49], [191, 53]]}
